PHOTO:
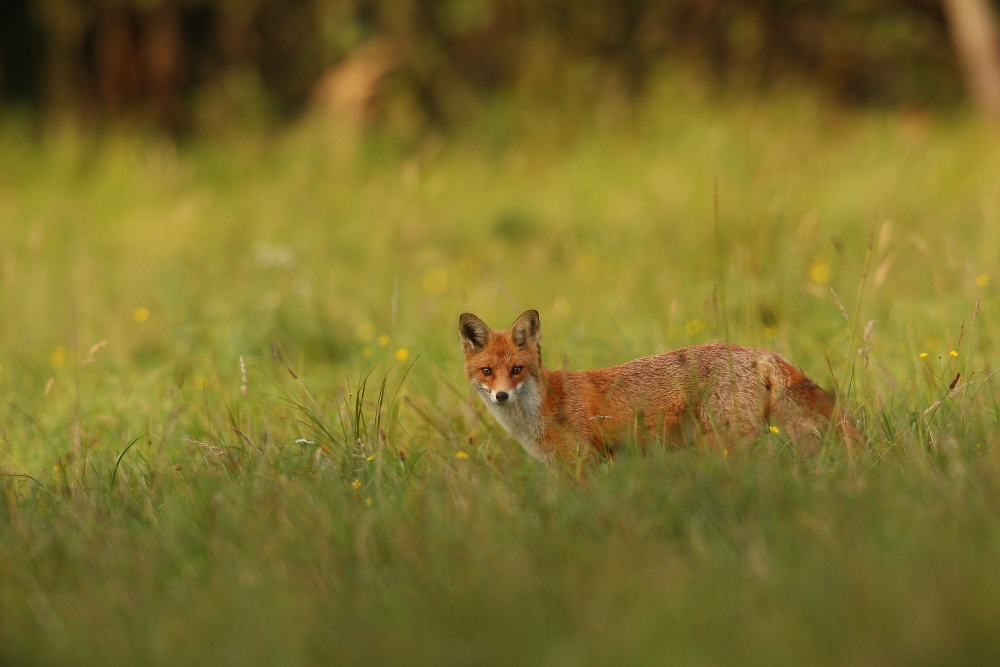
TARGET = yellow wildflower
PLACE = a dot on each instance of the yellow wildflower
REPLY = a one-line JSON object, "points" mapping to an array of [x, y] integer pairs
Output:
{"points": [[983, 280], [140, 314], [773, 429], [383, 340], [923, 355], [694, 326], [820, 273], [954, 353], [368, 502], [58, 357], [461, 454], [356, 484]]}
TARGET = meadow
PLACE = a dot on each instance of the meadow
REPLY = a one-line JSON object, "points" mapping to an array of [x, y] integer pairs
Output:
{"points": [[235, 428]]}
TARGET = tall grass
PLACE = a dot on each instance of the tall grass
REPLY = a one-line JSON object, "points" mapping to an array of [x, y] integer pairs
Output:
{"points": [[235, 428]]}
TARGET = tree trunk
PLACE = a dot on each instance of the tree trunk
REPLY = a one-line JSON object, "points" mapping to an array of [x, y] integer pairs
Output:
{"points": [[974, 31]]}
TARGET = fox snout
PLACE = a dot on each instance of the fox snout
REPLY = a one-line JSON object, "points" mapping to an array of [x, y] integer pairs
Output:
{"points": [[501, 396]]}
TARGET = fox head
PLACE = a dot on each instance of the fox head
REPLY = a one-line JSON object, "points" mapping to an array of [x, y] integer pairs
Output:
{"points": [[501, 365]]}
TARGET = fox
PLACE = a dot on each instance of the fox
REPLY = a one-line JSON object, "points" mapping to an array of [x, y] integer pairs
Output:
{"points": [[723, 391]]}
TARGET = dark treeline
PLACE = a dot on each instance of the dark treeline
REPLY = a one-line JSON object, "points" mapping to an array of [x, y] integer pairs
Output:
{"points": [[168, 59]]}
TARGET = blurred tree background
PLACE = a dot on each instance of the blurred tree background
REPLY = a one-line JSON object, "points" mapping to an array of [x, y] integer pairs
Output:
{"points": [[183, 64]]}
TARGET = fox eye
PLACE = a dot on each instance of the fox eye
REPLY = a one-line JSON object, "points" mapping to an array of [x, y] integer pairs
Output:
{"points": [[487, 371], [516, 370]]}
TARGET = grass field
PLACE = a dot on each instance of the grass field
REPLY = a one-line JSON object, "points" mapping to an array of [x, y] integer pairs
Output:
{"points": [[160, 506]]}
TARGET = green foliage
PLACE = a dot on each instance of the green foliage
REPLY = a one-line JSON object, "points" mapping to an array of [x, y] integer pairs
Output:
{"points": [[209, 63], [355, 504]]}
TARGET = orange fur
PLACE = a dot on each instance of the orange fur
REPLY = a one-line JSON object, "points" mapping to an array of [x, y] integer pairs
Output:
{"points": [[718, 389]]}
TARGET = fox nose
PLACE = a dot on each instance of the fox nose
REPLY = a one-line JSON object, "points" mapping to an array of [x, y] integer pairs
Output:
{"points": [[502, 396]]}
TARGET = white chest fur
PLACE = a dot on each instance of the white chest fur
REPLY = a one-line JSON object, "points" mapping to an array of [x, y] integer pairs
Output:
{"points": [[522, 416]]}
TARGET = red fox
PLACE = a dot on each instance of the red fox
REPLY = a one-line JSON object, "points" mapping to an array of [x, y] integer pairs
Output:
{"points": [[731, 390]]}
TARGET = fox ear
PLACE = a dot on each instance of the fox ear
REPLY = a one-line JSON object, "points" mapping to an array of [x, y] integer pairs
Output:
{"points": [[473, 333], [527, 330]]}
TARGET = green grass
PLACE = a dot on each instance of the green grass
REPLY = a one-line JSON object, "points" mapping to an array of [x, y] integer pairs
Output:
{"points": [[151, 513]]}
